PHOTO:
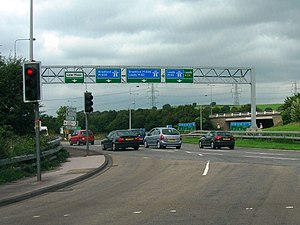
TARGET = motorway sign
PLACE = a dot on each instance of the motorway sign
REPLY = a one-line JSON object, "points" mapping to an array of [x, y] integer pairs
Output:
{"points": [[74, 77], [143, 75], [179, 75], [70, 123], [108, 75]]}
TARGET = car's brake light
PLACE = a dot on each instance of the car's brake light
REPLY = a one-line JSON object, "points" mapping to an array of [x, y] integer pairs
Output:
{"points": [[137, 138], [161, 137], [218, 137], [120, 139]]}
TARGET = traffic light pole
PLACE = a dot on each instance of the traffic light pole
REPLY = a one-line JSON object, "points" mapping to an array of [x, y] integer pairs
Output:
{"points": [[87, 133], [36, 104]]}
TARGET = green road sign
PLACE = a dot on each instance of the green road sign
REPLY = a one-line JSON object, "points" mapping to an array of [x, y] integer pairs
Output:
{"points": [[74, 77], [179, 75]]}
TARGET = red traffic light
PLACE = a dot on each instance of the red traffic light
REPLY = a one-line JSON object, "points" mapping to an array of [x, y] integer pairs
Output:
{"points": [[29, 71]]}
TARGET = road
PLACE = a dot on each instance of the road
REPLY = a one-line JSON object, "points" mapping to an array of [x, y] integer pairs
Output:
{"points": [[170, 186]]}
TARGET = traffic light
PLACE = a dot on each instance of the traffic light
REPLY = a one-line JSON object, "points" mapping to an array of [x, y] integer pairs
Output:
{"points": [[31, 82], [88, 102]]}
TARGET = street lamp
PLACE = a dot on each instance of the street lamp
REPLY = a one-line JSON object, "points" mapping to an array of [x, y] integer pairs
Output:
{"points": [[211, 85], [20, 39], [130, 105], [201, 116]]}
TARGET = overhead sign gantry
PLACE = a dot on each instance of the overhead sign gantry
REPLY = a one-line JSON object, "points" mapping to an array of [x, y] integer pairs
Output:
{"points": [[134, 74]]}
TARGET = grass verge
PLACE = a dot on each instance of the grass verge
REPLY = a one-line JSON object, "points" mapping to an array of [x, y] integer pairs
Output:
{"points": [[266, 144]]}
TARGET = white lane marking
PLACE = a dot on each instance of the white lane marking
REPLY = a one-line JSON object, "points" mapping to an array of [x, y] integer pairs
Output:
{"points": [[163, 150], [206, 169], [36, 216], [210, 153], [268, 157], [189, 152], [173, 211], [200, 154], [263, 153], [137, 212], [66, 215], [289, 207], [249, 208], [216, 150]]}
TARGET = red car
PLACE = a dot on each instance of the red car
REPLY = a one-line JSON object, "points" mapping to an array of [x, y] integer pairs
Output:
{"points": [[79, 137]]}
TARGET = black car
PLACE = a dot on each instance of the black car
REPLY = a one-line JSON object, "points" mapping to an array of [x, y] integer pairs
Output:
{"points": [[121, 139], [217, 139], [141, 133]]}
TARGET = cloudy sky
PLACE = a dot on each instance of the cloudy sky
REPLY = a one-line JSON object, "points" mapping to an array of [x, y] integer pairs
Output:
{"points": [[261, 34]]}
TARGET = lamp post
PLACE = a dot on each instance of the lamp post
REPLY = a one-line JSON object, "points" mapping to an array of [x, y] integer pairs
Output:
{"points": [[130, 105], [20, 39], [201, 116], [211, 85]]}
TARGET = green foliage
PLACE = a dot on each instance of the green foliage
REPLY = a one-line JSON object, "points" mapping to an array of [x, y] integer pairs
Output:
{"points": [[291, 109], [13, 111]]}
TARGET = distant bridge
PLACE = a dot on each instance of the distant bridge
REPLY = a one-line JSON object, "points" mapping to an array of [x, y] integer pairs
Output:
{"points": [[266, 118]]}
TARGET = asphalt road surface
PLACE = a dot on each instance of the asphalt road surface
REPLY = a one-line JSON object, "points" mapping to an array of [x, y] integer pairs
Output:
{"points": [[170, 186]]}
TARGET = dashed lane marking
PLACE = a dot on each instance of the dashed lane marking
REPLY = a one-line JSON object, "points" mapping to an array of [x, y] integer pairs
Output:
{"points": [[206, 169]]}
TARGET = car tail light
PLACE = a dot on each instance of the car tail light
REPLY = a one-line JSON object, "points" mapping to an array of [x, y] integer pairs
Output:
{"points": [[161, 137], [120, 139], [137, 138], [218, 137]]}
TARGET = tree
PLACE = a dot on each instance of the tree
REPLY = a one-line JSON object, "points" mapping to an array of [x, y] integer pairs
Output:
{"points": [[295, 110], [13, 111], [287, 109]]}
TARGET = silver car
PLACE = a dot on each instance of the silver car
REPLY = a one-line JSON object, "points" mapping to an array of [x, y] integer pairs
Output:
{"points": [[163, 137]]}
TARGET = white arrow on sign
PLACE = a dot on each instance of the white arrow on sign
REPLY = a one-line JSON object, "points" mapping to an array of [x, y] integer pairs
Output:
{"points": [[108, 80], [74, 81], [179, 81], [144, 80]]}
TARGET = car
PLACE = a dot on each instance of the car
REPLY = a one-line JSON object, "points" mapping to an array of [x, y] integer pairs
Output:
{"points": [[79, 137], [163, 137], [217, 139], [121, 139], [141, 133]]}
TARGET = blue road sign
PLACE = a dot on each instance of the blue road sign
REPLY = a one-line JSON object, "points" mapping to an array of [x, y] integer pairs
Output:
{"points": [[108, 75], [143, 75], [174, 73], [179, 75]]}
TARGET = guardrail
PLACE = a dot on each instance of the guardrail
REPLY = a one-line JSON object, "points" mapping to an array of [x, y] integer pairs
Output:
{"points": [[256, 134], [56, 148]]}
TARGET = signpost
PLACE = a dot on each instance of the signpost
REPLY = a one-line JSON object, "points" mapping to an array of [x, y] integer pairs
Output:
{"points": [[179, 75], [143, 75], [108, 75], [74, 77]]}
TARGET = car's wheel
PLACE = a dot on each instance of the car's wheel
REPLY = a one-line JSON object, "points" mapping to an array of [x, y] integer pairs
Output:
{"points": [[200, 144], [78, 143], [158, 145], [136, 148], [231, 147], [146, 144], [71, 143], [212, 145], [103, 147], [178, 147], [92, 143]]}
